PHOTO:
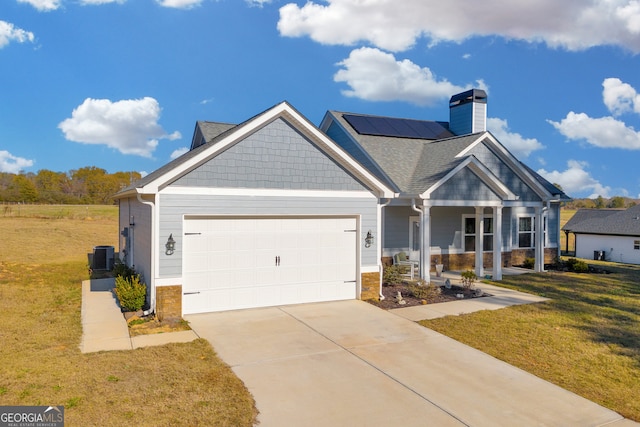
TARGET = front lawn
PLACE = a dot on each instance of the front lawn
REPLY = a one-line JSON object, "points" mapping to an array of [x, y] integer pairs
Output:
{"points": [[42, 264], [586, 339]]}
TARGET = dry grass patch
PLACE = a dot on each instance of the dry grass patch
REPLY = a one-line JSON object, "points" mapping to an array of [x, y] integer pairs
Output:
{"points": [[585, 339], [176, 384]]}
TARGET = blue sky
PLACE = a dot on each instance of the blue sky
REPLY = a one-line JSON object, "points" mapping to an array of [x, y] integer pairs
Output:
{"points": [[119, 84]]}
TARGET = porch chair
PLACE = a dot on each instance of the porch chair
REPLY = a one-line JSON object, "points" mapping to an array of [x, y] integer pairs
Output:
{"points": [[402, 259]]}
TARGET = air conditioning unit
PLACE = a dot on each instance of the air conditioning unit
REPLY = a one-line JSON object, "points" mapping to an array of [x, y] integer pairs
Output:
{"points": [[102, 258]]}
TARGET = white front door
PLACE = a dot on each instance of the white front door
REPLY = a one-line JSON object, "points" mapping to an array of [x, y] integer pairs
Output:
{"points": [[235, 263]]}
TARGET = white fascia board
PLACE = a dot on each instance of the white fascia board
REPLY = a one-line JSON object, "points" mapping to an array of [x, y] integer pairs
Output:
{"points": [[283, 110], [512, 162], [462, 203], [482, 172], [264, 192]]}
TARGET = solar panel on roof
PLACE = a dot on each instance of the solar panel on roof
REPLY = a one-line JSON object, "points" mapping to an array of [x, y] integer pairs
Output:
{"points": [[399, 128]]}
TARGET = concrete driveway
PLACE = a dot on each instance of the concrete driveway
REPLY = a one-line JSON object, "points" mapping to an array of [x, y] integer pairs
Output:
{"points": [[349, 363]]}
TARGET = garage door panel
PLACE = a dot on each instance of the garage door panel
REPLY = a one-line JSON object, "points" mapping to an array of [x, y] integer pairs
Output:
{"points": [[256, 262]]}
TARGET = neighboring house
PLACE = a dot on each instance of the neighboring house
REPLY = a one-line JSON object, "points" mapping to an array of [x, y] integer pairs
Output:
{"points": [[277, 211], [606, 234]]}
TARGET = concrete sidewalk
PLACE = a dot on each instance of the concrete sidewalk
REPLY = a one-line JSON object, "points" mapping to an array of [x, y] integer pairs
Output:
{"points": [[500, 298], [348, 363], [104, 327]]}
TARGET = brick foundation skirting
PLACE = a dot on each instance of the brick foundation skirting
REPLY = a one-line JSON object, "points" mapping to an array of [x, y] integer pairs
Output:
{"points": [[370, 286], [169, 302], [467, 261]]}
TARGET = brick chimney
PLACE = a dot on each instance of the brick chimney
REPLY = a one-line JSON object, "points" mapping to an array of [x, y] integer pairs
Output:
{"points": [[468, 112]]}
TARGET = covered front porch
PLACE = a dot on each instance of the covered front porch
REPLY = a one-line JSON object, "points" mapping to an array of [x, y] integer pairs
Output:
{"points": [[486, 237]]}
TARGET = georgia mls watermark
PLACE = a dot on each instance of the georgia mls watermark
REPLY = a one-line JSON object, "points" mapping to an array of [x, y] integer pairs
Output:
{"points": [[31, 416]]}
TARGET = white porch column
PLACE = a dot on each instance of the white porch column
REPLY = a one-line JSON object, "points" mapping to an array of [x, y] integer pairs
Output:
{"points": [[539, 243], [425, 244], [497, 243], [479, 241]]}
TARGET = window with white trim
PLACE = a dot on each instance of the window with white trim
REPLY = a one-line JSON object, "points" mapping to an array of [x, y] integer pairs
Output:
{"points": [[527, 231], [469, 233], [636, 245]]}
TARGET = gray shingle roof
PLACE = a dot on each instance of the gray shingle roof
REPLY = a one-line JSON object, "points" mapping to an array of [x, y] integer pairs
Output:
{"points": [[211, 130], [605, 221], [413, 165]]}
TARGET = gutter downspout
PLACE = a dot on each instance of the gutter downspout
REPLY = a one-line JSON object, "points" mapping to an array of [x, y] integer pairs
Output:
{"points": [[154, 246], [422, 251], [380, 232]]}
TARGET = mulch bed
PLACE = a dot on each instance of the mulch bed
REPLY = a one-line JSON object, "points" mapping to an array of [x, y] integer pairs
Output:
{"points": [[390, 293]]}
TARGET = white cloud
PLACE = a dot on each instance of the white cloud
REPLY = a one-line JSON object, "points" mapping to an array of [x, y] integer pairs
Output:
{"points": [[375, 75], [576, 181], [603, 132], [13, 164], [518, 145], [43, 5], [397, 25], [179, 4], [258, 3], [9, 33], [130, 126], [620, 97], [179, 152]]}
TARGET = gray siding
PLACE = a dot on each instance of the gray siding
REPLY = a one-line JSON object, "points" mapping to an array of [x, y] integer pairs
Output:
{"points": [[504, 173], [173, 208], [446, 226], [465, 185], [396, 226], [139, 257], [276, 157], [460, 119]]}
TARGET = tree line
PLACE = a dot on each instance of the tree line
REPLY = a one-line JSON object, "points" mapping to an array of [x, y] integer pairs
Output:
{"points": [[89, 186], [94, 186], [616, 202]]}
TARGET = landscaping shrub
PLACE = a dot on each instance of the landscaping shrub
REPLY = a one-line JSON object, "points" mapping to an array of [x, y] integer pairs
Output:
{"points": [[131, 293], [529, 263], [423, 290], [391, 275], [468, 278], [122, 269], [577, 265]]}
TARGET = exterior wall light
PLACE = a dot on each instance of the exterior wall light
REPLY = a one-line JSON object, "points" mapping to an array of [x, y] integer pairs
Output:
{"points": [[368, 241], [170, 245]]}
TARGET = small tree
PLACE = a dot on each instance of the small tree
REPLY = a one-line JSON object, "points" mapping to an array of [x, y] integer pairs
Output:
{"points": [[468, 279]]}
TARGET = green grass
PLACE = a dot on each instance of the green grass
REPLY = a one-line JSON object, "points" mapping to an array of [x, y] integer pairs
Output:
{"points": [[40, 298], [59, 211], [586, 339]]}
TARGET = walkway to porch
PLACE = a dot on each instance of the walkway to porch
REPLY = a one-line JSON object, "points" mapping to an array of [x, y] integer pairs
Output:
{"points": [[500, 298]]}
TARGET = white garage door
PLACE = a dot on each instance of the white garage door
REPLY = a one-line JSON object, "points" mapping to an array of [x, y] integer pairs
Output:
{"points": [[258, 262]]}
